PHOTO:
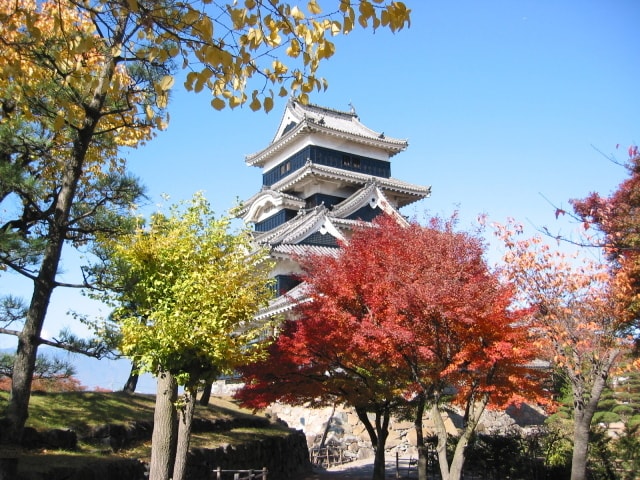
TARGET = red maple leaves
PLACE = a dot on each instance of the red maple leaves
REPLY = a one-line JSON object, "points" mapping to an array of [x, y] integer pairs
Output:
{"points": [[404, 309], [617, 218]]}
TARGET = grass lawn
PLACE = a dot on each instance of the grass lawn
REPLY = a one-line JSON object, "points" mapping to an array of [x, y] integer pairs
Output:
{"points": [[80, 411]]}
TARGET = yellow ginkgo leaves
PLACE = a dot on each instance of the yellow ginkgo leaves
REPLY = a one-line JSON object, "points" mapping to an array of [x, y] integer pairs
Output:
{"points": [[258, 31], [225, 46]]}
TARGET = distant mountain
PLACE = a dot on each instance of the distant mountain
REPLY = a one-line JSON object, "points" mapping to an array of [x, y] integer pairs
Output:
{"points": [[93, 373]]}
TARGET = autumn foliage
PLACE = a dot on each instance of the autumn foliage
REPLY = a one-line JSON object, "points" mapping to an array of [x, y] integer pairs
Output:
{"points": [[402, 310], [581, 318], [617, 219], [81, 80], [416, 303], [61, 384]]}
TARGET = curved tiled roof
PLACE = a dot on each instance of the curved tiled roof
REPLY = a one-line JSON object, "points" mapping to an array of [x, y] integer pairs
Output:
{"points": [[283, 304], [297, 250], [321, 218], [359, 199], [303, 223], [333, 173], [285, 199], [313, 118]]}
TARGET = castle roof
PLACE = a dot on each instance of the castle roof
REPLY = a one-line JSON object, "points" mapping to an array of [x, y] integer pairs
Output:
{"points": [[403, 193], [330, 201], [304, 224], [326, 221], [300, 120], [312, 172], [283, 303], [265, 198]]}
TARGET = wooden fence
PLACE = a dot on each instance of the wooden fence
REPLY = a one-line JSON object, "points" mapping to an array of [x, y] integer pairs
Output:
{"points": [[329, 456], [242, 474]]}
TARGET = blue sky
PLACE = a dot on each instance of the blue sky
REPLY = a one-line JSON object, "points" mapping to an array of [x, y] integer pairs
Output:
{"points": [[504, 103], [507, 106]]}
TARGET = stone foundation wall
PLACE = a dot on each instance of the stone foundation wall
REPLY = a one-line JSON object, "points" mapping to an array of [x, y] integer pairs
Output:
{"points": [[346, 429]]}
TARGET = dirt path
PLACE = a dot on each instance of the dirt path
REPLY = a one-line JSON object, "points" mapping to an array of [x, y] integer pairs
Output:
{"points": [[359, 470]]}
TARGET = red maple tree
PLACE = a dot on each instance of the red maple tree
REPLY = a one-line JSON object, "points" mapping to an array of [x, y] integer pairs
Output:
{"points": [[403, 313], [617, 219]]}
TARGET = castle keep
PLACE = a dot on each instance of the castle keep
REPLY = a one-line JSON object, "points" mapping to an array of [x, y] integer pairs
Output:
{"points": [[322, 172]]}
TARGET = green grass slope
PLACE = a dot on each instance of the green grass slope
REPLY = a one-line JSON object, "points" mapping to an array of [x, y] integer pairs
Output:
{"points": [[81, 411]]}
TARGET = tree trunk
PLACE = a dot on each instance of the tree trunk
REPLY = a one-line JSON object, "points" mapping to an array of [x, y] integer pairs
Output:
{"points": [[441, 446], [379, 463], [382, 428], [378, 436], [165, 427], [453, 471], [132, 382], [581, 429], [18, 408], [457, 463], [420, 446], [364, 418], [206, 394], [583, 411], [185, 420], [24, 364]]}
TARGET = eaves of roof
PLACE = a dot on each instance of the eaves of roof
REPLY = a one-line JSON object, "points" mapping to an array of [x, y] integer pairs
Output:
{"points": [[246, 205], [356, 201], [303, 222], [333, 173], [288, 250], [390, 145], [284, 303]]}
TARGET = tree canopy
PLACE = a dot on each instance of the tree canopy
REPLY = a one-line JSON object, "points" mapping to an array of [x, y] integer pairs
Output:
{"points": [[581, 319], [403, 310], [186, 290], [196, 286], [617, 219]]}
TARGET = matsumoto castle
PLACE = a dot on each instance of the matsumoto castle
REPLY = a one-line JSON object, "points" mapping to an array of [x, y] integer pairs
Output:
{"points": [[322, 173]]}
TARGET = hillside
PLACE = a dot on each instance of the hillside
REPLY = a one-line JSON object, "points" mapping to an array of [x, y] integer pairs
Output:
{"points": [[83, 412]]}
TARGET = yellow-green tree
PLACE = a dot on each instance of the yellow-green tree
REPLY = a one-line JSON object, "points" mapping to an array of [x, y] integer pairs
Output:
{"points": [[81, 78], [196, 287]]}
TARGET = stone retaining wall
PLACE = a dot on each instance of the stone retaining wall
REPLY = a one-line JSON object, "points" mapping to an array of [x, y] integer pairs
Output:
{"points": [[284, 457], [346, 429]]}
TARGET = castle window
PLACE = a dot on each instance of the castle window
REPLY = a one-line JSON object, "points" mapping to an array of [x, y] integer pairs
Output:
{"points": [[285, 168], [329, 157]]}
